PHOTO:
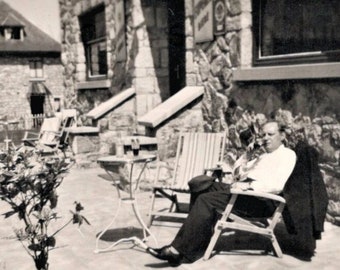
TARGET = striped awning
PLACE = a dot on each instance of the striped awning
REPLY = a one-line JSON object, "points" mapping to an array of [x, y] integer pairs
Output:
{"points": [[38, 89]]}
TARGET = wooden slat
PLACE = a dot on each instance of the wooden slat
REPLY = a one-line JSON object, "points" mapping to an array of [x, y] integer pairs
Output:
{"points": [[200, 149], [197, 152]]}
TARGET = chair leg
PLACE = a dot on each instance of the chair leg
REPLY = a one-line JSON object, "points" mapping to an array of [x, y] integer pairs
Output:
{"points": [[276, 246], [217, 233], [152, 205]]}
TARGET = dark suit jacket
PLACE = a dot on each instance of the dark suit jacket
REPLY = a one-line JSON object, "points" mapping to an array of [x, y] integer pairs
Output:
{"points": [[306, 200]]}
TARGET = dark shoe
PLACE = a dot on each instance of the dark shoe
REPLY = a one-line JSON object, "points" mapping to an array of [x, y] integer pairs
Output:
{"points": [[166, 254]]}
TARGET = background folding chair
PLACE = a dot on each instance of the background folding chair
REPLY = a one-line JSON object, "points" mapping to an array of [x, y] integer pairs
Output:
{"points": [[232, 219], [69, 119], [53, 133], [48, 134], [196, 152]]}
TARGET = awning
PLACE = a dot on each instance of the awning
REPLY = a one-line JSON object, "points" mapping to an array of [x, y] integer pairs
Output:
{"points": [[38, 89]]}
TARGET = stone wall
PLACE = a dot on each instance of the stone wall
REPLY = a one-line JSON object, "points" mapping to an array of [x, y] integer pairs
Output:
{"points": [[73, 53], [146, 65], [15, 81]]}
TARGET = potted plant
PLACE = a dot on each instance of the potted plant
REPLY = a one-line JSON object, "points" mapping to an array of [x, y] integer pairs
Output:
{"points": [[28, 184]]}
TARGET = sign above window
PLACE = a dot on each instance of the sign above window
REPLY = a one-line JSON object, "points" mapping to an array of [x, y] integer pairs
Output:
{"points": [[219, 17], [203, 20]]}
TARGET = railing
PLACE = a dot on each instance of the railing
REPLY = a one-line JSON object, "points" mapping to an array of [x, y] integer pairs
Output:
{"points": [[14, 128], [23, 122], [171, 106]]}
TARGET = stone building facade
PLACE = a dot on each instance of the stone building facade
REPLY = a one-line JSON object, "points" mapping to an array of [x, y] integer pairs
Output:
{"points": [[16, 79], [302, 92], [31, 77]]}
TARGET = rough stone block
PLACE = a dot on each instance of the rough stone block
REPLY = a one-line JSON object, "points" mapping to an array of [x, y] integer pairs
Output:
{"points": [[144, 85], [118, 121], [189, 43], [81, 67], [144, 58], [245, 5], [233, 23], [234, 7], [246, 47], [189, 30], [85, 144], [191, 80], [189, 63]]}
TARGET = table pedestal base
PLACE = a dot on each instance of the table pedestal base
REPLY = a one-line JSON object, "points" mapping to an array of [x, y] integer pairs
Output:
{"points": [[134, 239]]}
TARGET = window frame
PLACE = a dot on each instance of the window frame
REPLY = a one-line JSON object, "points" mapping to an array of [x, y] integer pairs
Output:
{"points": [[36, 69], [89, 16], [284, 59]]}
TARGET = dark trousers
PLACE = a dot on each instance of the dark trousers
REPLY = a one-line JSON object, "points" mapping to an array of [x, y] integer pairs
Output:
{"points": [[194, 236]]}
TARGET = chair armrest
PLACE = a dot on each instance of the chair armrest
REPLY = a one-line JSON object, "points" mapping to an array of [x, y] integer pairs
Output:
{"points": [[263, 195], [30, 136], [166, 166], [161, 165]]}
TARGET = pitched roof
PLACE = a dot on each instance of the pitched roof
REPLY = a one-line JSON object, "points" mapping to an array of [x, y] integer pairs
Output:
{"points": [[11, 20], [35, 40]]}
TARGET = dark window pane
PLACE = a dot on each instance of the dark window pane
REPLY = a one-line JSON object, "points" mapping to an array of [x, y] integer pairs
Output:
{"points": [[93, 32], [15, 33], [99, 22], [292, 27], [97, 58]]}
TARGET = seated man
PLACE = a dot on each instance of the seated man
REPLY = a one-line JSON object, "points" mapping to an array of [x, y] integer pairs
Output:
{"points": [[266, 173]]}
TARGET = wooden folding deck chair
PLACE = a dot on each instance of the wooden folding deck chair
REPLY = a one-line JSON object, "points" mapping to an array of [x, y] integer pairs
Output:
{"points": [[53, 133], [196, 152], [302, 206], [232, 220], [69, 119]]}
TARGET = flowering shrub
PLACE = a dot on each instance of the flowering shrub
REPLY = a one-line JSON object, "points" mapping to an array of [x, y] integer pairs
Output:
{"points": [[28, 184], [244, 128]]}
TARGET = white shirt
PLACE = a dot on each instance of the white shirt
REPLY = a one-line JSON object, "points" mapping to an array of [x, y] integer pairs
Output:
{"points": [[270, 171]]}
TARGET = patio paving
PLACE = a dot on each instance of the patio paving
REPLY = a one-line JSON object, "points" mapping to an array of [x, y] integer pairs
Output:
{"points": [[98, 196]]}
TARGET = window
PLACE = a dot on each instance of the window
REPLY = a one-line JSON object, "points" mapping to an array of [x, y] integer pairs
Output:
{"points": [[11, 33], [291, 31], [15, 33], [93, 32], [36, 69]]}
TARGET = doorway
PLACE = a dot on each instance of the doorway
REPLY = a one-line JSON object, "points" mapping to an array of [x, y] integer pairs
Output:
{"points": [[37, 109], [176, 39]]}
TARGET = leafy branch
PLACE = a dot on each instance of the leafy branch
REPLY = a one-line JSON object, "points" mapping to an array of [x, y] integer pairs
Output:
{"points": [[28, 184]]}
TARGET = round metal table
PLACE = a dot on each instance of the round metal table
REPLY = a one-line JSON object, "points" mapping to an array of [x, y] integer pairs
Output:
{"points": [[109, 164]]}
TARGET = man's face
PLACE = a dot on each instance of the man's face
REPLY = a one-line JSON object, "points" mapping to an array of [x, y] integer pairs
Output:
{"points": [[272, 137]]}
